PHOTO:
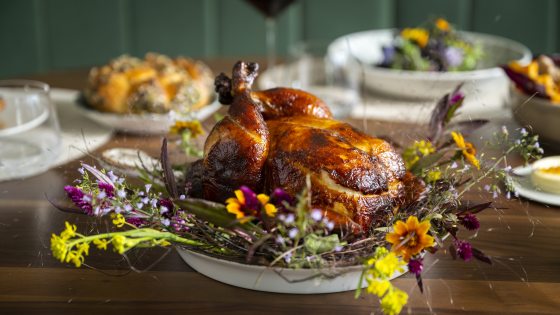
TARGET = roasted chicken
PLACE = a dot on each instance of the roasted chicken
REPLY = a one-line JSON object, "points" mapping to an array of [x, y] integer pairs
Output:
{"points": [[278, 137]]}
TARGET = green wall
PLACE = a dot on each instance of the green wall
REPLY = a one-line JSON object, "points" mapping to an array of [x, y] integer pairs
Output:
{"points": [[44, 35]]}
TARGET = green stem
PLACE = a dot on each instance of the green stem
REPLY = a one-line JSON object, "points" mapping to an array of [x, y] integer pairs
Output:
{"points": [[146, 233], [488, 172]]}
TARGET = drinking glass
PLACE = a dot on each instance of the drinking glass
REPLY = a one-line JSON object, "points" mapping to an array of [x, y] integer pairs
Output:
{"points": [[335, 81], [270, 9], [29, 131]]}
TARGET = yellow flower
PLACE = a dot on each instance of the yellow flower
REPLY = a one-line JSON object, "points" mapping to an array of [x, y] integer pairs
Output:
{"points": [[119, 243], [234, 204], [246, 203], [378, 286], [468, 149], [101, 243], [393, 302], [433, 176], [194, 127], [387, 265], [118, 220], [269, 208], [59, 247], [442, 25], [69, 232], [75, 257], [410, 238], [419, 35]]}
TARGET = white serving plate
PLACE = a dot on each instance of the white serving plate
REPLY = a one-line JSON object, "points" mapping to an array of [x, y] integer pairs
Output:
{"points": [[524, 186], [488, 83], [147, 124], [278, 280]]}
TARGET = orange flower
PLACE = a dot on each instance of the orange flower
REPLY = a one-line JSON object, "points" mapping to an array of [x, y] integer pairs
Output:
{"points": [[194, 127], [468, 149], [418, 35], [410, 238], [442, 24]]}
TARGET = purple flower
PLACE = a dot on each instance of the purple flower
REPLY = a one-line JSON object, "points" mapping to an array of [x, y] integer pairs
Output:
{"points": [[388, 55], [453, 56], [79, 199], [470, 222], [464, 249], [166, 204], [416, 266], [280, 197], [458, 96], [251, 201], [107, 188], [138, 222]]}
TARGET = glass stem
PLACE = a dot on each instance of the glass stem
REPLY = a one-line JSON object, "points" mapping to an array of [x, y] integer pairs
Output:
{"points": [[270, 41]]}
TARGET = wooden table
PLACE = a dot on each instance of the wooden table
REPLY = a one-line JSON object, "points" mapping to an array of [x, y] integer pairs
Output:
{"points": [[522, 239]]}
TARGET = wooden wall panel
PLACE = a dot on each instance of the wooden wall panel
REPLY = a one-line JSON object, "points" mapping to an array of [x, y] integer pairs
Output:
{"points": [[413, 12], [80, 33], [328, 19], [19, 42], [172, 27], [43, 35], [525, 21]]}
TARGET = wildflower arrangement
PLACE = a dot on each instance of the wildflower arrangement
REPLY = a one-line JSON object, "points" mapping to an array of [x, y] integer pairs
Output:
{"points": [[282, 230], [541, 77], [433, 47]]}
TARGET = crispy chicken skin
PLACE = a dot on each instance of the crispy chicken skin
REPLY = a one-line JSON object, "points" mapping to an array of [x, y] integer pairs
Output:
{"points": [[278, 137]]}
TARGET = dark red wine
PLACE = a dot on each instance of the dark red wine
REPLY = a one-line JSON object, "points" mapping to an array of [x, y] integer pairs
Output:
{"points": [[270, 8]]}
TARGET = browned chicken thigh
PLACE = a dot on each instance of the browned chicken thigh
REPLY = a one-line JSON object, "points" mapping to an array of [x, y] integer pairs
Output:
{"points": [[278, 137]]}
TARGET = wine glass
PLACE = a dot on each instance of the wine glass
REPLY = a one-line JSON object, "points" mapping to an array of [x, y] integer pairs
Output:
{"points": [[270, 9]]}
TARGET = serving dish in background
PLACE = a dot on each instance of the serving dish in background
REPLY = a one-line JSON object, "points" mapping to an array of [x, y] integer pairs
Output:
{"points": [[540, 115], [487, 83]]}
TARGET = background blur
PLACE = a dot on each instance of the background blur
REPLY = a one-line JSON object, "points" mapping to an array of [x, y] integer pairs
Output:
{"points": [[45, 35]]}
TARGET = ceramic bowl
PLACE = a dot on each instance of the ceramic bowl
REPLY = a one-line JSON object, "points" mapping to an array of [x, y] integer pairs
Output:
{"points": [[488, 83], [537, 114]]}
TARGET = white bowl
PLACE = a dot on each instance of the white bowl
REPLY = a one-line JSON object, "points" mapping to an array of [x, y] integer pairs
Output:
{"points": [[488, 83], [278, 280], [538, 114], [147, 124]]}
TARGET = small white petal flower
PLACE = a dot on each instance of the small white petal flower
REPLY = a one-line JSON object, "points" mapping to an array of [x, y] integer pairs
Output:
{"points": [[293, 233], [316, 215]]}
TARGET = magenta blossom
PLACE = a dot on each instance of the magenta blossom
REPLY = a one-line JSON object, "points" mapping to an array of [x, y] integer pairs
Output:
{"points": [[107, 188], [470, 222], [464, 249], [81, 200], [416, 266]]}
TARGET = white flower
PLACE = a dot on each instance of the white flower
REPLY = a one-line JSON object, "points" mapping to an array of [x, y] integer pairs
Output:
{"points": [[293, 233], [163, 209], [148, 187], [182, 197], [290, 218], [127, 208], [121, 193], [165, 221], [316, 215], [101, 195]]}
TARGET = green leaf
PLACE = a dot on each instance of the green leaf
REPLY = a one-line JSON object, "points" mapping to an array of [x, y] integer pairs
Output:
{"points": [[426, 162], [321, 244]]}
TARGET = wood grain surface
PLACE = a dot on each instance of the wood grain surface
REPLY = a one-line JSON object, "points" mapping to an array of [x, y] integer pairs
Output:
{"points": [[521, 236]]}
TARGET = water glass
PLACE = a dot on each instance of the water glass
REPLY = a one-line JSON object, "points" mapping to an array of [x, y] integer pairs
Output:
{"points": [[29, 131], [335, 81]]}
